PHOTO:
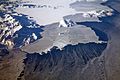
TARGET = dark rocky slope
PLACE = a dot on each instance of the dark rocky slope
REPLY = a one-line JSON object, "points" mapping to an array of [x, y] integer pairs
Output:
{"points": [[63, 64]]}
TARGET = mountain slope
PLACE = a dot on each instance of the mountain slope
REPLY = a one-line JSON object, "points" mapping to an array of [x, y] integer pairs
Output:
{"points": [[67, 63]]}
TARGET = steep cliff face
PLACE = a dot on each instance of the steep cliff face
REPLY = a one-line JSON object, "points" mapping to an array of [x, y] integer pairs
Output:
{"points": [[67, 63]]}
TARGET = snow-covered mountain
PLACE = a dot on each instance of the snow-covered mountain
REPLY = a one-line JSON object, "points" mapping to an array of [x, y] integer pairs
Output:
{"points": [[9, 26], [13, 33]]}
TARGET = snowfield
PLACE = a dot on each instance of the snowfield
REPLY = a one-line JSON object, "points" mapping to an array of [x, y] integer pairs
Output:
{"points": [[51, 11]]}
